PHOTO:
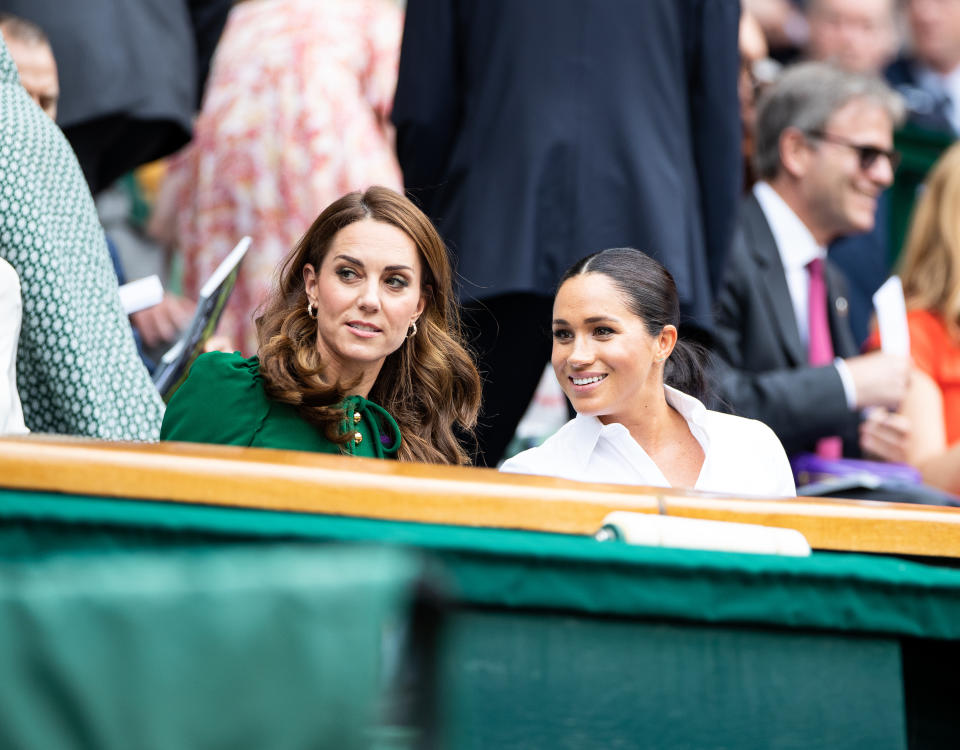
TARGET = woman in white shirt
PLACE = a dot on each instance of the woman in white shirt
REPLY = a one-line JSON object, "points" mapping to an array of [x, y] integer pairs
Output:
{"points": [[634, 386]]}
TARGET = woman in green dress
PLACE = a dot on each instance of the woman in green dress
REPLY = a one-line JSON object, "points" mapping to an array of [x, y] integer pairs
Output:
{"points": [[360, 348]]}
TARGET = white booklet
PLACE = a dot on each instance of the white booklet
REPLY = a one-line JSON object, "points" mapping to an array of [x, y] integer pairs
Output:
{"points": [[175, 364], [892, 317]]}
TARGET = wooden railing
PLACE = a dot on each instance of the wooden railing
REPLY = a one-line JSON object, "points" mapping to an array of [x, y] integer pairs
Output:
{"points": [[305, 482]]}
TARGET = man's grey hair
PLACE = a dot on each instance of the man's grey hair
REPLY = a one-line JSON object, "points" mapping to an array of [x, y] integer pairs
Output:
{"points": [[805, 97]]}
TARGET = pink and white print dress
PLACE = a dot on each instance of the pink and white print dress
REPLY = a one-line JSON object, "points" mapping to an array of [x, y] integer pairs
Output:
{"points": [[295, 115]]}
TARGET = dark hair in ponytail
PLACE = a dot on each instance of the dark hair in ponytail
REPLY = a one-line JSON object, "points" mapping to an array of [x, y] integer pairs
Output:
{"points": [[651, 294]]}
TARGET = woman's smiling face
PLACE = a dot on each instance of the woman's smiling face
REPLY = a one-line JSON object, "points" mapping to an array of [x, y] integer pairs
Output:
{"points": [[607, 363], [367, 293]]}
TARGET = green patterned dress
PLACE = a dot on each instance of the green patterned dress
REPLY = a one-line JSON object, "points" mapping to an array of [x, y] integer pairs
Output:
{"points": [[78, 371]]}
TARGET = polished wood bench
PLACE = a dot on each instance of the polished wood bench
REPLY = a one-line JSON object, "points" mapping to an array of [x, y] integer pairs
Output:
{"points": [[549, 638], [368, 488]]}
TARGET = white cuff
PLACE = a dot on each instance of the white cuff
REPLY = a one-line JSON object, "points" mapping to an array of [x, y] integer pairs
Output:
{"points": [[849, 389]]}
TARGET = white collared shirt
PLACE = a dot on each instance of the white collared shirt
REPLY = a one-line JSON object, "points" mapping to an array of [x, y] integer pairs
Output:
{"points": [[946, 84], [797, 248], [741, 456]]}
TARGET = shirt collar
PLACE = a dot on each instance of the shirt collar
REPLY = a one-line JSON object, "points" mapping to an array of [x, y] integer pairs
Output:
{"points": [[794, 241], [586, 432], [946, 83]]}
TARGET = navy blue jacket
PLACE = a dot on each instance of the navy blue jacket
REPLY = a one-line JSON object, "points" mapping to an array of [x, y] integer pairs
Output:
{"points": [[535, 132]]}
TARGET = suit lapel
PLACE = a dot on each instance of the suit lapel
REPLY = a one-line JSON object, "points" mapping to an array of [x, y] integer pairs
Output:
{"points": [[774, 282], [844, 344]]}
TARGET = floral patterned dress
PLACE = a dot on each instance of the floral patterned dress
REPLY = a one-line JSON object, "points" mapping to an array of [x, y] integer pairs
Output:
{"points": [[295, 115]]}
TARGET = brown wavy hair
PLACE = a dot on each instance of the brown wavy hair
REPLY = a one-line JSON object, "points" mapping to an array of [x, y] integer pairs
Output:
{"points": [[930, 266], [430, 384]]}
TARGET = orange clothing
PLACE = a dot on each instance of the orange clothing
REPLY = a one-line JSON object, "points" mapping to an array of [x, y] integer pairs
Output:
{"points": [[938, 355]]}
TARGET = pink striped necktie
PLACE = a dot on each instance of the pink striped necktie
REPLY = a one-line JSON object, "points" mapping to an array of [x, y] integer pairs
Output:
{"points": [[820, 345]]}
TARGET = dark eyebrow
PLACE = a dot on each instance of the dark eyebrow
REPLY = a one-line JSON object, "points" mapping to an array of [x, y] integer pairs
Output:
{"points": [[594, 319], [357, 262], [601, 319], [350, 260]]}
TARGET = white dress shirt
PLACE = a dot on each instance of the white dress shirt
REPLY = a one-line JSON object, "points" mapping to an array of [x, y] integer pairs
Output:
{"points": [[946, 85], [797, 248], [741, 456], [11, 308]]}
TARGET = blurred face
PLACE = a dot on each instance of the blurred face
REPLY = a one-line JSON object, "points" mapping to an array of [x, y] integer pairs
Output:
{"points": [[367, 293], [38, 73], [753, 47], [935, 28], [839, 193], [857, 35], [603, 357]]}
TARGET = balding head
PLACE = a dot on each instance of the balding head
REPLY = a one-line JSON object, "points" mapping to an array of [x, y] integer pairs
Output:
{"points": [[856, 35], [935, 28], [33, 56]]}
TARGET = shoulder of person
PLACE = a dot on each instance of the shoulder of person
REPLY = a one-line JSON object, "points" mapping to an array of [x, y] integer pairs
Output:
{"points": [[740, 432], [749, 445], [548, 458], [221, 401]]}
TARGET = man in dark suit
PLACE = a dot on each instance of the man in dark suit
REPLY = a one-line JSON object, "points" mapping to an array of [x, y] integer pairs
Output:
{"points": [[824, 155], [929, 78], [537, 132]]}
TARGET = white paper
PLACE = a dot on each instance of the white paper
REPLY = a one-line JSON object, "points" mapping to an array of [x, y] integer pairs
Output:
{"points": [[141, 294], [892, 317]]}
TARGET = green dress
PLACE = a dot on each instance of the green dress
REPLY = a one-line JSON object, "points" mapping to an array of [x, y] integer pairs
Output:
{"points": [[223, 401]]}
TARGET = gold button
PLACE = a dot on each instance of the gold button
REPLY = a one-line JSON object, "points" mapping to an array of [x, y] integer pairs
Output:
{"points": [[357, 438], [356, 417]]}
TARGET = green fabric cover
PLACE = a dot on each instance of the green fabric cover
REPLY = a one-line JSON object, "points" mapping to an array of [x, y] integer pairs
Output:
{"points": [[517, 569], [524, 681], [223, 401], [236, 648]]}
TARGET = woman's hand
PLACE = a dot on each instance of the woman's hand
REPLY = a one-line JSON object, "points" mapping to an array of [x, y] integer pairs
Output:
{"points": [[885, 436]]}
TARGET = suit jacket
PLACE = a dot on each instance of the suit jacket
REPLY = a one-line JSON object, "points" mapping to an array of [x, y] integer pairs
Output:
{"points": [[763, 371], [537, 132], [925, 109]]}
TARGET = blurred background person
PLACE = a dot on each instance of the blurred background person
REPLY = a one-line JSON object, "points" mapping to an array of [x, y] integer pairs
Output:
{"points": [[784, 25], [535, 131], [928, 75], [78, 372], [930, 272], [131, 74], [856, 35], [859, 36], [757, 70], [824, 155], [295, 115], [30, 49], [31, 52]]}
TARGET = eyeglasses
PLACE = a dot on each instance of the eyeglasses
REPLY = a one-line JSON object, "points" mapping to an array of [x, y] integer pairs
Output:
{"points": [[868, 154]]}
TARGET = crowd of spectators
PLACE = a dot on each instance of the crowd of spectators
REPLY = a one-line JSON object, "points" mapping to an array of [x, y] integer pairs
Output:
{"points": [[750, 147]]}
